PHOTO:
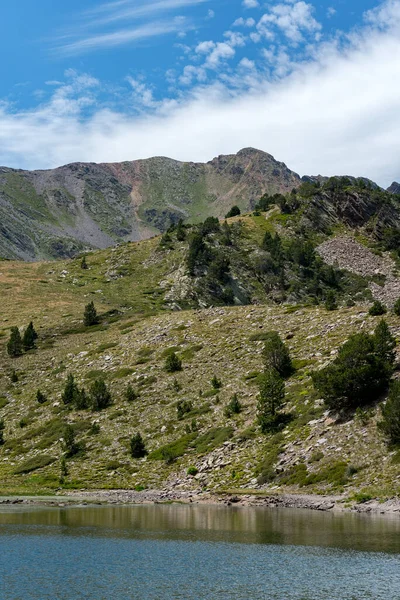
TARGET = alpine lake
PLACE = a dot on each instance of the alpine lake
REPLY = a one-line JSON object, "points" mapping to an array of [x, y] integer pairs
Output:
{"points": [[196, 552]]}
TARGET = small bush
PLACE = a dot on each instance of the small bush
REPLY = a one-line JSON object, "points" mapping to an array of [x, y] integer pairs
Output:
{"points": [[234, 212], [131, 395], [41, 398], [396, 308], [183, 407], [233, 407], [390, 423], [192, 471], [216, 383], [173, 363], [377, 309]]}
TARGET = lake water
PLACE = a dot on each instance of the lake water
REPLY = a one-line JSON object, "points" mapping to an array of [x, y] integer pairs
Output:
{"points": [[196, 552]]}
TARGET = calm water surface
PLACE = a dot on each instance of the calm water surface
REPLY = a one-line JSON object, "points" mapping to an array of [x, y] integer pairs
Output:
{"points": [[195, 553]]}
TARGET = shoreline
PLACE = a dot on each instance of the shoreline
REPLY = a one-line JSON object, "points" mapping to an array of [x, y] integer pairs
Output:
{"points": [[323, 503]]}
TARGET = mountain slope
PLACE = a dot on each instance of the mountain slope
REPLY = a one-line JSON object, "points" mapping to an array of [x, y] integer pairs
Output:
{"points": [[59, 212], [133, 286]]}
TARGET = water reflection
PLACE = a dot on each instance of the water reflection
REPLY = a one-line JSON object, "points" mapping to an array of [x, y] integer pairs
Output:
{"points": [[211, 523]]}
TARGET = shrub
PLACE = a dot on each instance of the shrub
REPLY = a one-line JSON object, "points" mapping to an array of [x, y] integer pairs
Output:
{"points": [[14, 345], [14, 377], [216, 383], [100, 396], [377, 309], [173, 363], [130, 394], [192, 471], [357, 376], [41, 398], [137, 445], [234, 212], [396, 308], [29, 338], [276, 355], [270, 400], [183, 407], [90, 315], [2, 426], [233, 407], [330, 301], [390, 424]]}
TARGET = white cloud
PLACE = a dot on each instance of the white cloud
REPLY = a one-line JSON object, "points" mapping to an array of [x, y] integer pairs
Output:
{"points": [[250, 3], [331, 12], [210, 14], [292, 20], [221, 51], [121, 37], [337, 114], [100, 28]]}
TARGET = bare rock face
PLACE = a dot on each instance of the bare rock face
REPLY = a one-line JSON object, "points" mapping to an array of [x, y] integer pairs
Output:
{"points": [[59, 212], [394, 188]]}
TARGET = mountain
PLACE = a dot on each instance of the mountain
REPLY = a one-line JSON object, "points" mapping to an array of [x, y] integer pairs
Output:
{"points": [[59, 212]]}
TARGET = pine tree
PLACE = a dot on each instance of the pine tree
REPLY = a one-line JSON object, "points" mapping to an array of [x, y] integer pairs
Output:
{"points": [[14, 377], [70, 391], [69, 444], [270, 400], [396, 307], [14, 345], [180, 231], [84, 264], [276, 355], [330, 301], [384, 342], [138, 448], [390, 424], [30, 335], [100, 396], [90, 316]]}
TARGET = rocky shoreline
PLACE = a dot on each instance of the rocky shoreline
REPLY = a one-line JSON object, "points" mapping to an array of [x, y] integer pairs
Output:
{"points": [[324, 503]]}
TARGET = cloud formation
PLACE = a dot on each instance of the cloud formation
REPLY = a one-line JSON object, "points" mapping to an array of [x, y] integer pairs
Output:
{"points": [[335, 113]]}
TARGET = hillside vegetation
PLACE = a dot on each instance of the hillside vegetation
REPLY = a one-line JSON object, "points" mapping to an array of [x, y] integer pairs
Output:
{"points": [[183, 320]]}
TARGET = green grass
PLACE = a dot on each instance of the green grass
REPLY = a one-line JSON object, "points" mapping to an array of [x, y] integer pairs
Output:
{"points": [[32, 464]]}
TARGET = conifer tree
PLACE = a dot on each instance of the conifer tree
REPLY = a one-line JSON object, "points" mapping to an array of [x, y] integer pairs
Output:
{"points": [[138, 448], [100, 396], [276, 355], [272, 394], [14, 345], [30, 335], [384, 342], [70, 391], [84, 264], [90, 316]]}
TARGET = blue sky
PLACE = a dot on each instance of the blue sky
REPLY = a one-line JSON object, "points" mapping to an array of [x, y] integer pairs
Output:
{"points": [[312, 82]]}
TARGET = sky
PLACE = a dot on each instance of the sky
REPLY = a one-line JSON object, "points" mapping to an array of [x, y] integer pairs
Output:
{"points": [[314, 83]]}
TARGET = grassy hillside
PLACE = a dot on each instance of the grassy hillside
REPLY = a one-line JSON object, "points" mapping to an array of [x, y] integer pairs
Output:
{"points": [[134, 287]]}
